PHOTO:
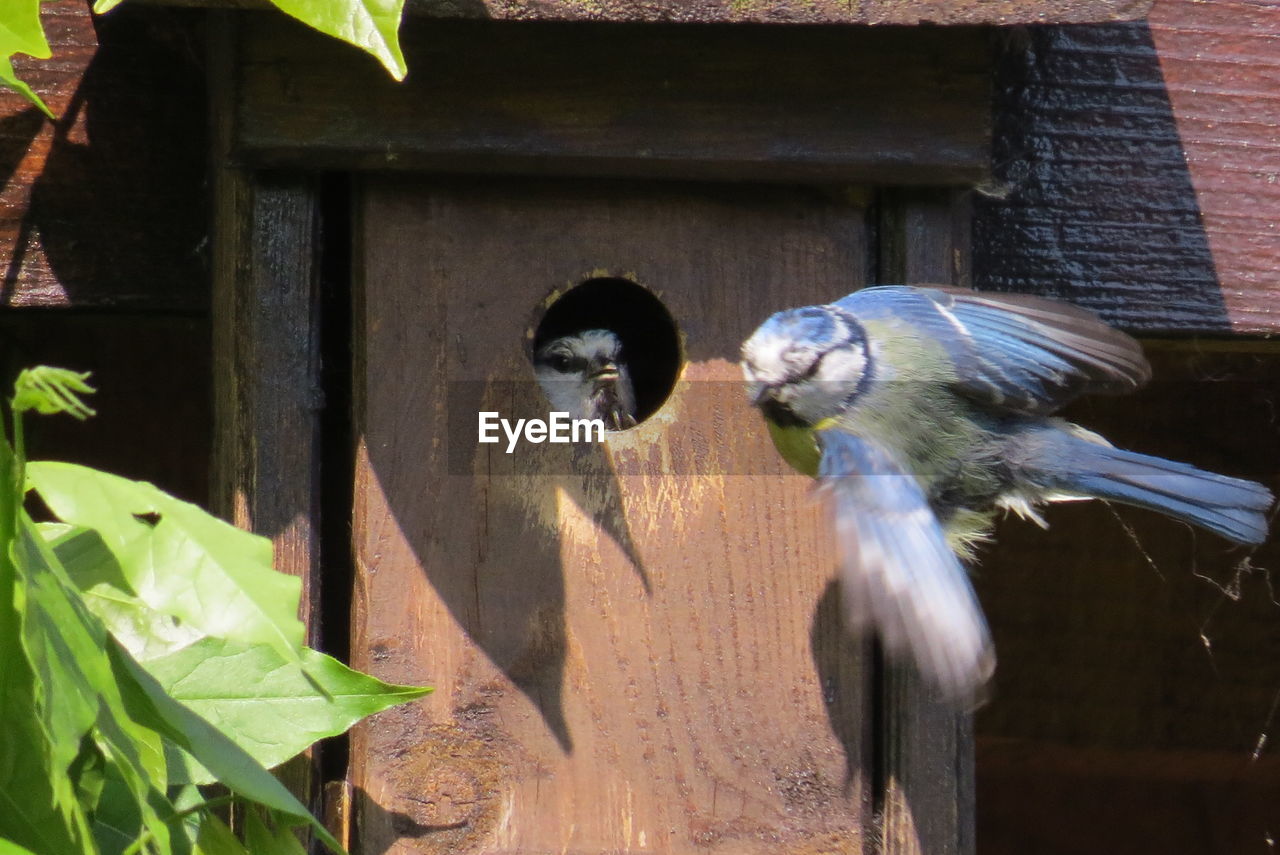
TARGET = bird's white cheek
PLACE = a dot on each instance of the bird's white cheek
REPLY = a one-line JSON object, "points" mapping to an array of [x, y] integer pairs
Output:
{"points": [[845, 366]]}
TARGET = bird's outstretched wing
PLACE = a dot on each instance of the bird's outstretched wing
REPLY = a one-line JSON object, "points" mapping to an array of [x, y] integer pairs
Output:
{"points": [[1013, 352], [897, 572]]}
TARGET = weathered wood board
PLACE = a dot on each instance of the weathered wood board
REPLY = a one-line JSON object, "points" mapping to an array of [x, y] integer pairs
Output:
{"points": [[635, 647], [866, 12], [892, 105], [1139, 169], [108, 208]]}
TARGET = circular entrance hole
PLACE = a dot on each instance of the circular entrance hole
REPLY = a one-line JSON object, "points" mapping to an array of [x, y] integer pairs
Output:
{"points": [[650, 351]]}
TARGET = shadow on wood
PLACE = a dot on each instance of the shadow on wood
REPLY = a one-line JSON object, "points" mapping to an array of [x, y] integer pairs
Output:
{"points": [[1094, 201], [117, 214], [622, 639]]}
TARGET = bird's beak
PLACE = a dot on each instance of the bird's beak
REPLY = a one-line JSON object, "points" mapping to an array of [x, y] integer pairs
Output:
{"points": [[608, 371]]}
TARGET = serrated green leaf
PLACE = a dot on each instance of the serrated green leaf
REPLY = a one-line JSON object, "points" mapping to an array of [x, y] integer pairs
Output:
{"points": [[268, 706], [76, 690], [21, 32], [49, 391], [31, 812], [179, 559], [371, 25], [151, 705]]}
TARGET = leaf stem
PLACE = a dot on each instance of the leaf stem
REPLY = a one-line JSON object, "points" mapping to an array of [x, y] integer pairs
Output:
{"points": [[148, 835]]}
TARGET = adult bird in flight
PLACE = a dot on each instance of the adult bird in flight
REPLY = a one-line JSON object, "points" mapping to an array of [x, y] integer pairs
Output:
{"points": [[924, 411]]}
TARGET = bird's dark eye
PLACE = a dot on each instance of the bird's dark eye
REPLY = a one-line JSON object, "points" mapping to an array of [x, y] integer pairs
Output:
{"points": [[812, 370], [561, 363]]}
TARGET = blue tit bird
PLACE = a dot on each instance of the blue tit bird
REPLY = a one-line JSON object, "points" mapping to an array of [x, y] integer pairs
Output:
{"points": [[583, 374], [923, 412]]}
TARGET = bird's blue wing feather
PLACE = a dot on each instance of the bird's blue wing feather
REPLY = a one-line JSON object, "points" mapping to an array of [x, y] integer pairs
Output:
{"points": [[897, 572], [1012, 352]]}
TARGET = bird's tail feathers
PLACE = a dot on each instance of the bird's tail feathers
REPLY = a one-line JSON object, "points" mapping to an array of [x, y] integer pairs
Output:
{"points": [[1231, 507]]}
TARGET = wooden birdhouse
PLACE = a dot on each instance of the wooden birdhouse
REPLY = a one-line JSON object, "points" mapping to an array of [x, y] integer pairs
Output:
{"points": [[637, 647]]}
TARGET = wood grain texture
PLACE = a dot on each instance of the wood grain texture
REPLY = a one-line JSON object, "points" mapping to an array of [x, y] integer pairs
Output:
{"points": [[927, 747], [636, 647], [800, 104], [266, 460], [267, 369], [761, 11], [109, 206], [266, 345], [1140, 162], [266, 455], [1128, 635]]}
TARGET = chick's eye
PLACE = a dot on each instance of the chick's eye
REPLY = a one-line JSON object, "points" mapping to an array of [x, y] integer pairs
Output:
{"points": [[561, 363]]}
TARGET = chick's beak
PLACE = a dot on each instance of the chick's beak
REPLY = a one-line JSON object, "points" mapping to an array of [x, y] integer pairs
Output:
{"points": [[608, 371]]}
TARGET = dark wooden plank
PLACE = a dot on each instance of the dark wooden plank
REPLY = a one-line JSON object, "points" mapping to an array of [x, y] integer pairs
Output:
{"points": [[634, 650], [927, 747], [1140, 633], [894, 105], [1057, 800], [266, 360], [266, 462], [109, 207], [1130, 634], [1141, 165], [153, 402], [762, 11]]}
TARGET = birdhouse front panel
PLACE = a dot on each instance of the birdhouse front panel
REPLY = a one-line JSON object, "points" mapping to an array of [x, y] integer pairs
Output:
{"points": [[635, 644]]}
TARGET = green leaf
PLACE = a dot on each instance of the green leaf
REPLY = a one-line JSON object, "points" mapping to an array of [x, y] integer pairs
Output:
{"points": [[32, 812], [263, 840], [145, 632], [50, 390], [371, 25], [216, 839], [88, 773], [39, 807], [151, 705], [268, 706], [21, 32], [179, 559], [76, 690], [117, 822], [10, 848]]}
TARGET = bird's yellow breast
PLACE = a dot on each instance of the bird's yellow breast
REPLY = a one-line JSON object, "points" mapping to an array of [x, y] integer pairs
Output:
{"points": [[797, 445]]}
